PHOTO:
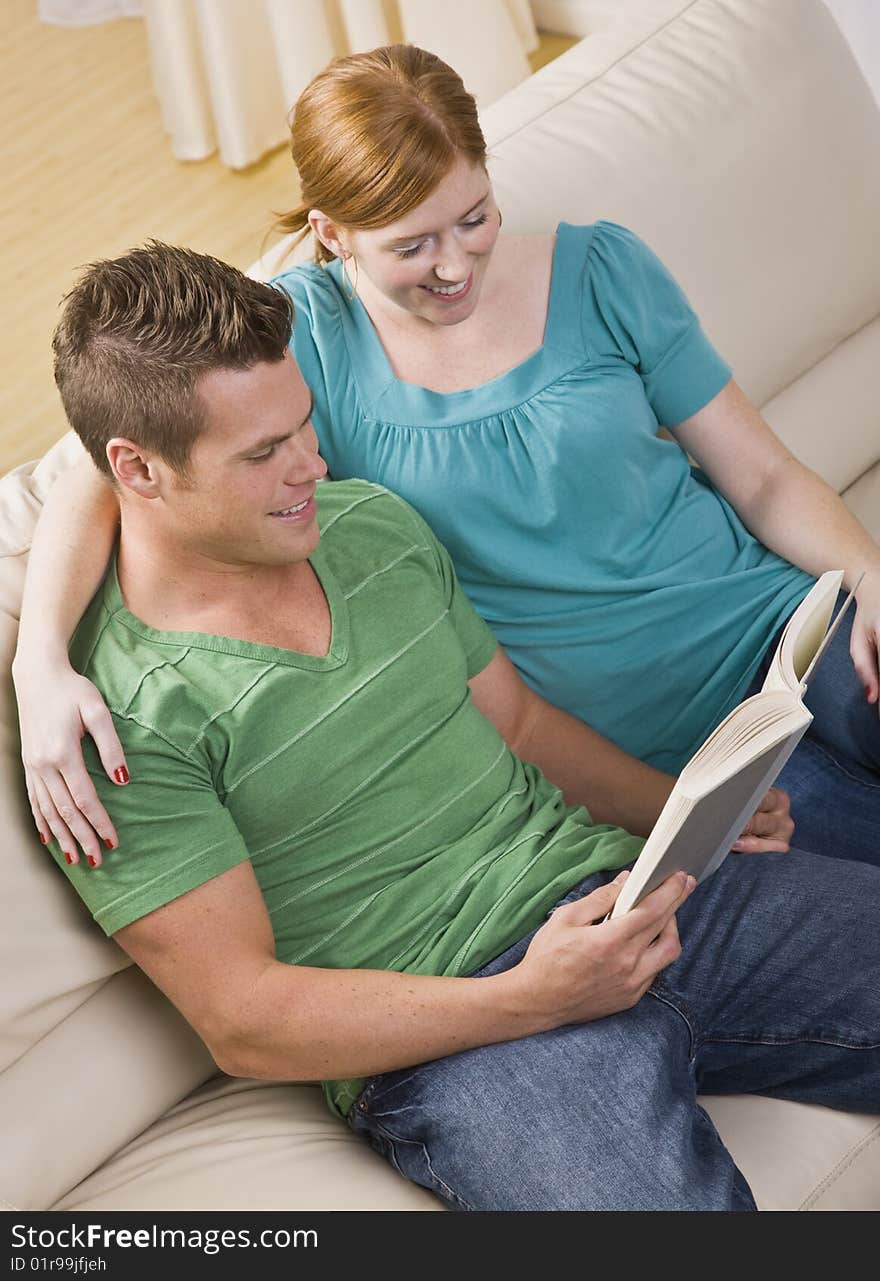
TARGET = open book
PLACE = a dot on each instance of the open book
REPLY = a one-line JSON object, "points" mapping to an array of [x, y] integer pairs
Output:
{"points": [[720, 787]]}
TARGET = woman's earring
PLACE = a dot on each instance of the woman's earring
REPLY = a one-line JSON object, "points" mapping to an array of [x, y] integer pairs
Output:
{"points": [[350, 285], [500, 220]]}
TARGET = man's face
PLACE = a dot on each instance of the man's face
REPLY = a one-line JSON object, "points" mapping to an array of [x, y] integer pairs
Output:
{"points": [[248, 498]]}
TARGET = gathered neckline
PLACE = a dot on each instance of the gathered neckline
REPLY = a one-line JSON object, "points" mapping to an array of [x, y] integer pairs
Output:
{"points": [[402, 400]]}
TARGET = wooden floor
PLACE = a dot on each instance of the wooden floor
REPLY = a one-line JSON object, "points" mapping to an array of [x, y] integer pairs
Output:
{"points": [[89, 173]]}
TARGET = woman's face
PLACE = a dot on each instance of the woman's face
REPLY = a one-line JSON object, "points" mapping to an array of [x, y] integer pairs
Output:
{"points": [[431, 263]]}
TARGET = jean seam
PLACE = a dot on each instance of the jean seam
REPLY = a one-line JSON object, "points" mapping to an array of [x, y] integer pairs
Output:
{"points": [[817, 1039], [679, 1007], [396, 1138], [825, 751]]}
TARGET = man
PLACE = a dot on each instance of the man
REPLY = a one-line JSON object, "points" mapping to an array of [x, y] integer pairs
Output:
{"points": [[331, 858]]}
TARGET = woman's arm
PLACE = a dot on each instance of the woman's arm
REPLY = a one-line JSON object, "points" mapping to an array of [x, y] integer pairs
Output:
{"points": [[71, 547], [790, 509]]}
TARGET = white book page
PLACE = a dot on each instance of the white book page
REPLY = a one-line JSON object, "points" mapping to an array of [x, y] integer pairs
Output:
{"points": [[803, 634], [711, 825]]}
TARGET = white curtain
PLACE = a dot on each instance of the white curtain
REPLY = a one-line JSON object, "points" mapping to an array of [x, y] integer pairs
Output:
{"points": [[85, 13], [228, 71]]}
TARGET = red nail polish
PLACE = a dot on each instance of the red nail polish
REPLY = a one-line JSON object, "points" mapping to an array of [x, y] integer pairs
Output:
{"points": [[93, 862], [121, 774], [43, 838], [69, 857], [109, 843]]}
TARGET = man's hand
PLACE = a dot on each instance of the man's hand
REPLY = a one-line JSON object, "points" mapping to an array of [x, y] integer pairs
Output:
{"points": [[769, 828], [576, 970]]}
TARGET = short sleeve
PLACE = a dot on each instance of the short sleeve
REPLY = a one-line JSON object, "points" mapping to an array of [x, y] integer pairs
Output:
{"points": [[632, 306], [174, 832], [477, 640]]}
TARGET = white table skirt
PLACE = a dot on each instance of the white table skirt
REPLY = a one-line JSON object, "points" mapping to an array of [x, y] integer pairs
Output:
{"points": [[227, 72]]}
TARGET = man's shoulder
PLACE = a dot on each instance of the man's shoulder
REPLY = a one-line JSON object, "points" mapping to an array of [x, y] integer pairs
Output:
{"points": [[346, 507], [162, 689], [366, 528]]}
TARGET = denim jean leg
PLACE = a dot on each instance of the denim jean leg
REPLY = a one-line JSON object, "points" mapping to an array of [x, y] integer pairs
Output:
{"points": [[835, 807], [779, 974], [844, 721], [833, 776], [593, 1116]]}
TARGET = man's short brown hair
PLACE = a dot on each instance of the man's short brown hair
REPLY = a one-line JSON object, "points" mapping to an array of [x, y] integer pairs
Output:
{"points": [[137, 333]]}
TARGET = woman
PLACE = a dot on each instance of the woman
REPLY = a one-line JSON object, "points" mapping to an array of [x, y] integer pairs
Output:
{"points": [[511, 388]]}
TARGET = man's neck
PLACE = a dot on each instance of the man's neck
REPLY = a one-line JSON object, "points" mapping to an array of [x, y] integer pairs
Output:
{"points": [[176, 589]]}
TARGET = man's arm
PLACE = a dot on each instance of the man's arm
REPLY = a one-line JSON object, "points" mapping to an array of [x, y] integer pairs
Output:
{"points": [[211, 951], [590, 770]]}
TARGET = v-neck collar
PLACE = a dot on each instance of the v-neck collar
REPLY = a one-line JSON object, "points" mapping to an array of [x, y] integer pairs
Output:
{"points": [[336, 655]]}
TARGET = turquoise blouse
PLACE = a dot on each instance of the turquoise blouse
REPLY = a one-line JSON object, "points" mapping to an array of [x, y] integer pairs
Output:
{"points": [[621, 584]]}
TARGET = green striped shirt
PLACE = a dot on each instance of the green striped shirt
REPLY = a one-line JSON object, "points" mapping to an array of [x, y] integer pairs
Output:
{"points": [[388, 824]]}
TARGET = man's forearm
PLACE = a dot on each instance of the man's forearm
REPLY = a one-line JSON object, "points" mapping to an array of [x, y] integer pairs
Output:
{"points": [[316, 1024]]}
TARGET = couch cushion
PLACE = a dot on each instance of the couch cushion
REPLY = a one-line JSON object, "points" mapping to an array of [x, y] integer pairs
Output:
{"points": [[799, 1157], [830, 418], [248, 1145]]}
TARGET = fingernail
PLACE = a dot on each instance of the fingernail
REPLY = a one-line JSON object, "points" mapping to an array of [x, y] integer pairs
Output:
{"points": [[621, 876], [69, 857], [93, 862], [109, 843], [121, 774], [43, 838], [691, 882]]}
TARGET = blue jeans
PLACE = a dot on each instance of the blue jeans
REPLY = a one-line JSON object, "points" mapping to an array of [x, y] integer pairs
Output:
{"points": [[776, 992], [833, 776]]}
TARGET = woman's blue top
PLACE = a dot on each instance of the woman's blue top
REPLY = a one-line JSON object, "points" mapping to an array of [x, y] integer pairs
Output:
{"points": [[622, 585]]}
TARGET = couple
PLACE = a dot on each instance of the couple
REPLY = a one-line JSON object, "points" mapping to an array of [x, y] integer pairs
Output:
{"points": [[407, 847]]}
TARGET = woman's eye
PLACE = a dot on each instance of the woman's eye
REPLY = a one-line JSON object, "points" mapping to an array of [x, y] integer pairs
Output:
{"points": [[414, 249]]}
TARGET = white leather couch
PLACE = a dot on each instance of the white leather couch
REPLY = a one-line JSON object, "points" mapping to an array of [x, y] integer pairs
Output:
{"points": [[737, 137]]}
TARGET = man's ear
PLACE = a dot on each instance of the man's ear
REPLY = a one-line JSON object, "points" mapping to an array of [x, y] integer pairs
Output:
{"points": [[133, 467], [330, 235]]}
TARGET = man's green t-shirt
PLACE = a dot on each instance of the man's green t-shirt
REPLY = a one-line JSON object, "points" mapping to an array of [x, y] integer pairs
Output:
{"points": [[388, 824]]}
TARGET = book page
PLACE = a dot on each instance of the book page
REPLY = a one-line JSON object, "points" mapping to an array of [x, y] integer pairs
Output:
{"points": [[803, 634], [709, 827]]}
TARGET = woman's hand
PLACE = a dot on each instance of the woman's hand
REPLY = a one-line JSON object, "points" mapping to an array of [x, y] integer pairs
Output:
{"points": [[56, 708], [770, 827], [864, 645]]}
